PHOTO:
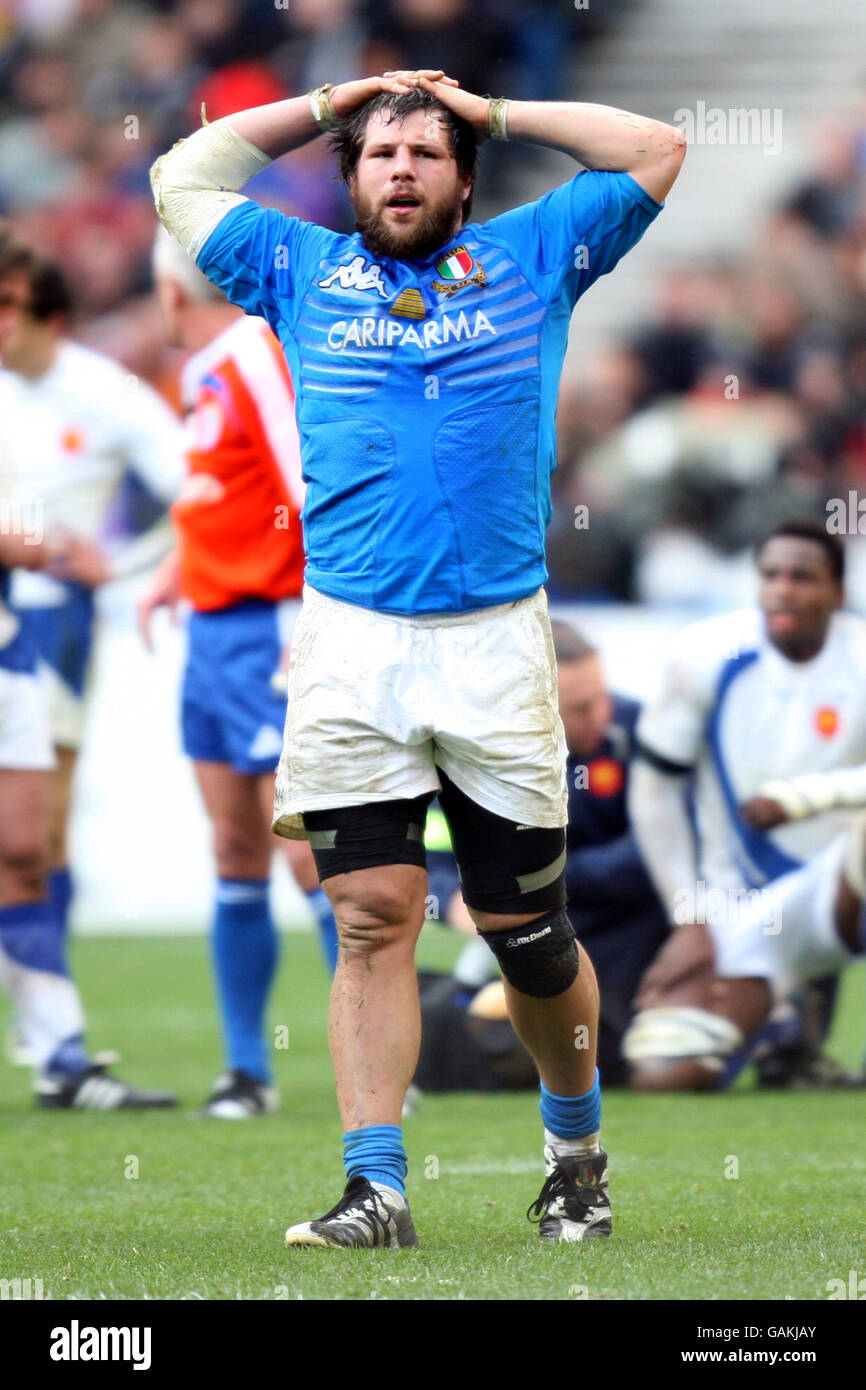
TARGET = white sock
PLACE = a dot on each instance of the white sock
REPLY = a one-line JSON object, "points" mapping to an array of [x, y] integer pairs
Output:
{"points": [[48, 1007], [573, 1148]]}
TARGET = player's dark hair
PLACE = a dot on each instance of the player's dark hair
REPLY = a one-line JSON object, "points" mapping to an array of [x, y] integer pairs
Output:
{"points": [[49, 291], [348, 138], [14, 254], [808, 529], [568, 644]]}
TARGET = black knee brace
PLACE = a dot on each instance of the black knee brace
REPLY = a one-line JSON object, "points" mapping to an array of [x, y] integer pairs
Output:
{"points": [[541, 957], [364, 837]]}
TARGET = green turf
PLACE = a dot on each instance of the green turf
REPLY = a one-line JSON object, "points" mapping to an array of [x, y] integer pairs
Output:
{"points": [[206, 1215]]}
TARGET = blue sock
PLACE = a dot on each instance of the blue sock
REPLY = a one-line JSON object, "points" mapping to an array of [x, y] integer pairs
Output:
{"points": [[320, 906], [572, 1117], [30, 935], [377, 1154], [244, 948], [60, 890], [70, 1058]]}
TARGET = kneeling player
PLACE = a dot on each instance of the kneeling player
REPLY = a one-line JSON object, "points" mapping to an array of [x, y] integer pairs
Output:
{"points": [[715, 983], [733, 831]]}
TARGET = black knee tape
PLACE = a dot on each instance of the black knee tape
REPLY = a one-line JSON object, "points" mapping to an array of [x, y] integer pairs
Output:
{"points": [[541, 957], [504, 866], [363, 837]]}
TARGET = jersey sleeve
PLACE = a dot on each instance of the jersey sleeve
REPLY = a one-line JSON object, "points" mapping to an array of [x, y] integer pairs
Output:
{"points": [[672, 727], [151, 439], [263, 260], [578, 232]]}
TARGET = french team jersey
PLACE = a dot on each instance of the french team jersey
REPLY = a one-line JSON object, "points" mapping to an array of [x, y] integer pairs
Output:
{"points": [[741, 714], [238, 514], [67, 439], [426, 389]]}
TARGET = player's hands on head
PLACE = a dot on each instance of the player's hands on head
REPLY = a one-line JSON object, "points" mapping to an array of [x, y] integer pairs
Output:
{"points": [[763, 813], [348, 96], [473, 109]]}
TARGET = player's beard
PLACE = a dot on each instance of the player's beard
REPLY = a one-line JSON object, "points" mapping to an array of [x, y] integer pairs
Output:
{"points": [[435, 229]]}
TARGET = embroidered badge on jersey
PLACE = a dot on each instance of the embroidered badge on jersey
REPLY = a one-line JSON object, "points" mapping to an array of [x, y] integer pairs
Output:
{"points": [[606, 777], [357, 275], [409, 305], [458, 270], [72, 440], [827, 721]]}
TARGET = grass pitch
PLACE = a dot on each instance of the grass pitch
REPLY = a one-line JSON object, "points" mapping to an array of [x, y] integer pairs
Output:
{"points": [[205, 1215]]}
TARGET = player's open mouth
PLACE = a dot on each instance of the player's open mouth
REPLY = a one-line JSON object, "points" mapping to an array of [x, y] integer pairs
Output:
{"points": [[402, 205], [783, 621]]}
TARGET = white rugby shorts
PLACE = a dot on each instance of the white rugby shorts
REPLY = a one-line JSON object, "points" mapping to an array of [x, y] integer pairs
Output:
{"points": [[25, 738], [786, 932], [376, 702]]}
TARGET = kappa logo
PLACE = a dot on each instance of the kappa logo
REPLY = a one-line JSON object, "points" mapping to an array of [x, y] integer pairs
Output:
{"points": [[357, 275]]}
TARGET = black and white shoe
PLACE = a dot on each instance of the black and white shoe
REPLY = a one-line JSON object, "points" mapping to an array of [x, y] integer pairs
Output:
{"points": [[573, 1204], [95, 1089], [368, 1214], [238, 1096]]}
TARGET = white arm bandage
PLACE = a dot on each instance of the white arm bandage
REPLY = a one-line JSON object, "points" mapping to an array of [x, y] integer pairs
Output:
{"points": [[194, 183], [660, 821], [816, 792]]}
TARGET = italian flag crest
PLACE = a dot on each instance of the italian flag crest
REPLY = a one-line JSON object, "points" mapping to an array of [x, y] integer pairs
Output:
{"points": [[458, 270], [457, 266]]}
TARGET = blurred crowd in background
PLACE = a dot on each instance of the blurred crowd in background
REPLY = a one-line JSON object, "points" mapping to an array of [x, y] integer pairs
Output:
{"points": [[91, 91], [741, 401]]}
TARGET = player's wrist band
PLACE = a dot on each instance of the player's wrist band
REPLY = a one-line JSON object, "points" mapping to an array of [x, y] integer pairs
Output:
{"points": [[497, 118], [322, 107]]}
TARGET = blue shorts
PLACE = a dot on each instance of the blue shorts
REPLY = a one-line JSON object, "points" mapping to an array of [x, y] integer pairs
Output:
{"points": [[230, 713], [19, 656], [62, 634]]}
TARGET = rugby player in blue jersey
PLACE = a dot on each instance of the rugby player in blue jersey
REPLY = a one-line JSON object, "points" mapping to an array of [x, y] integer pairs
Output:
{"points": [[426, 351]]}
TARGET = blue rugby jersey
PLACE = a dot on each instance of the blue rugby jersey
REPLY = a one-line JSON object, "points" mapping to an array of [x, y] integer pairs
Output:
{"points": [[426, 389]]}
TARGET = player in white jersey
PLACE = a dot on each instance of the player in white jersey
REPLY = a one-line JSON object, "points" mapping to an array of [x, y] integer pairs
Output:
{"points": [[33, 967], [73, 424], [752, 762]]}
